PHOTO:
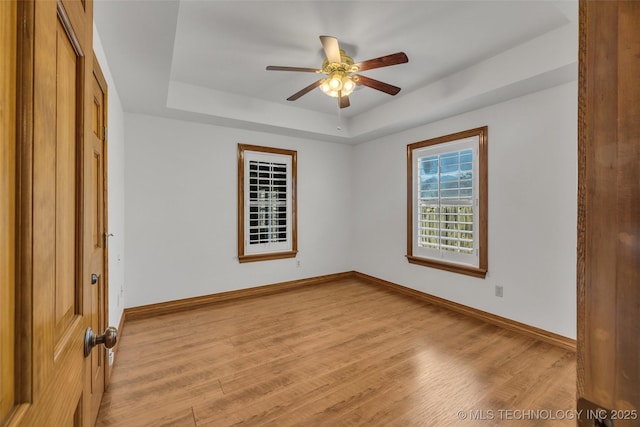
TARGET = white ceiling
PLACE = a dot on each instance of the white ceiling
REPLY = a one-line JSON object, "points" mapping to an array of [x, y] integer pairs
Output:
{"points": [[205, 60]]}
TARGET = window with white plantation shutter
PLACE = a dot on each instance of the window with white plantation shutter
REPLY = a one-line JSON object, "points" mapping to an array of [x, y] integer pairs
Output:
{"points": [[268, 202], [267, 220], [447, 207]]}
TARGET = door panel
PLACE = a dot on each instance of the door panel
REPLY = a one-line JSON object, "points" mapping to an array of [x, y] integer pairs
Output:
{"points": [[51, 276], [57, 323], [66, 188]]}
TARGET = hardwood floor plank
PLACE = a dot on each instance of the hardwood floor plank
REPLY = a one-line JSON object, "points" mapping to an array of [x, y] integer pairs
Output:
{"points": [[344, 353]]}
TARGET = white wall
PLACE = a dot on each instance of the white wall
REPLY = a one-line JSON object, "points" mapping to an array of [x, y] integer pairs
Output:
{"points": [[115, 170], [181, 210], [532, 146]]}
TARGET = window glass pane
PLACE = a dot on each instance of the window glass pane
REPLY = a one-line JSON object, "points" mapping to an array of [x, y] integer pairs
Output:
{"points": [[445, 217]]}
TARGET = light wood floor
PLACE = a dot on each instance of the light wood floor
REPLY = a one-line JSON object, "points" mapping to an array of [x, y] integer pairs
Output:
{"points": [[338, 354]]}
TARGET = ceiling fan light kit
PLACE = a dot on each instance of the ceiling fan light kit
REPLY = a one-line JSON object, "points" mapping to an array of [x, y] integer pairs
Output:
{"points": [[339, 83], [340, 69]]}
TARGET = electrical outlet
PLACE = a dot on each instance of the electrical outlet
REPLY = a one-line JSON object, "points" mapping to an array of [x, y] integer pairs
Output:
{"points": [[499, 291], [298, 263]]}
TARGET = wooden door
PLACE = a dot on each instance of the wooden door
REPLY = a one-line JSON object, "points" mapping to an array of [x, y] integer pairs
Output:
{"points": [[8, 44], [97, 226], [609, 214], [53, 294]]}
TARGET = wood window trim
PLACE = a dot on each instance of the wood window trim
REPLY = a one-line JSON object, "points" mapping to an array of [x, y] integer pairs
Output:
{"points": [[481, 270], [242, 257], [448, 266]]}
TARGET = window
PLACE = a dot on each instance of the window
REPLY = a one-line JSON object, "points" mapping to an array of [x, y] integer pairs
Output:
{"points": [[266, 203], [447, 202]]}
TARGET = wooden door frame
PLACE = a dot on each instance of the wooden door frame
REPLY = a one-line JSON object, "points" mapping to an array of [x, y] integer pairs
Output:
{"points": [[8, 58], [608, 267]]}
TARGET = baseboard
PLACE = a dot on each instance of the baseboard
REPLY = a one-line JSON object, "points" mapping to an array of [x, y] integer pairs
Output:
{"points": [[151, 310], [503, 322]]}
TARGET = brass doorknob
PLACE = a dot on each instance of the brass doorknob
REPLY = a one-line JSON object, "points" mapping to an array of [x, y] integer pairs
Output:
{"points": [[109, 339]]}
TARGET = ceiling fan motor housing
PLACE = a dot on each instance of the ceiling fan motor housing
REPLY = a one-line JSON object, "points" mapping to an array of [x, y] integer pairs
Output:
{"points": [[345, 66]]}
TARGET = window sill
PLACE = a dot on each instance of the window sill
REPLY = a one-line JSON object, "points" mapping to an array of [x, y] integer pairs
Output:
{"points": [[267, 256], [454, 268]]}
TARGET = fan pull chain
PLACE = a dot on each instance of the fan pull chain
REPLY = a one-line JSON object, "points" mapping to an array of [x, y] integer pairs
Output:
{"points": [[339, 116]]}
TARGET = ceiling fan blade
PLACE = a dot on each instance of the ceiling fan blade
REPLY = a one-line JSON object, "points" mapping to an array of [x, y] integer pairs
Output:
{"points": [[376, 84], [278, 68], [383, 61], [331, 48], [343, 101], [304, 91]]}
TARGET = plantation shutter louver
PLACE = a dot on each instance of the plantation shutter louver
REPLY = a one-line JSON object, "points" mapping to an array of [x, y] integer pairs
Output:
{"points": [[267, 202]]}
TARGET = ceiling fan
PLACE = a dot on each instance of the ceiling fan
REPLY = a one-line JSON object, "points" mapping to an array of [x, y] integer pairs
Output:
{"points": [[341, 72]]}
